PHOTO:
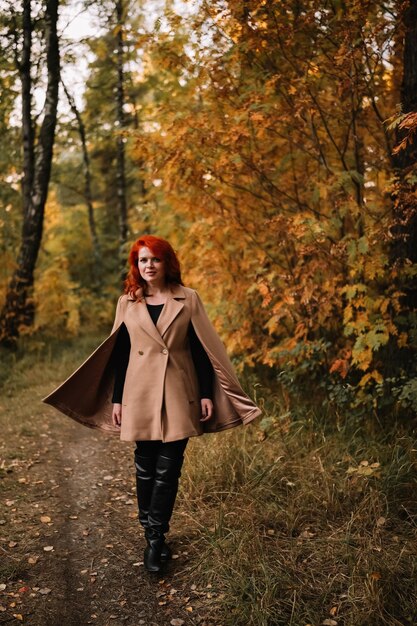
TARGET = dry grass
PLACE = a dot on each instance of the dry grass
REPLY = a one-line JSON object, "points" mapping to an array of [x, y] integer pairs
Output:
{"points": [[290, 537]]}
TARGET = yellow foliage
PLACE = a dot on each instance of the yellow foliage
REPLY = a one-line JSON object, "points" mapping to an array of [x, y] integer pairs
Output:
{"points": [[57, 304], [284, 228]]}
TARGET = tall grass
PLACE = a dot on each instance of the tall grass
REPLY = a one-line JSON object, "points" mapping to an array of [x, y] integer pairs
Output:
{"points": [[306, 525]]}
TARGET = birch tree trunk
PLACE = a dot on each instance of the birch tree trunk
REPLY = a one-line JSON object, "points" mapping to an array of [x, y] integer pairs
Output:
{"points": [[121, 158]]}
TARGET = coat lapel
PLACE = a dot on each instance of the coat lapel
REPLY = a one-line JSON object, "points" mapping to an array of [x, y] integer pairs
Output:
{"points": [[146, 322], [172, 307], [168, 314]]}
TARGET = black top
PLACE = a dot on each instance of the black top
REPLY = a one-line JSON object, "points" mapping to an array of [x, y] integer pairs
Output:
{"points": [[202, 364]]}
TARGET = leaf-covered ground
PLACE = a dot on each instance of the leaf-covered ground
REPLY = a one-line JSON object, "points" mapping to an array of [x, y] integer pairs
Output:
{"points": [[71, 543]]}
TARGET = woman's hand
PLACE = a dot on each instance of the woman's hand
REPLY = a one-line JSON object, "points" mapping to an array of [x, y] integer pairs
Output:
{"points": [[206, 409], [116, 415]]}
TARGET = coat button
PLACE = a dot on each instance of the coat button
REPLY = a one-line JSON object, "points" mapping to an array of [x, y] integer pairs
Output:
{"points": [[140, 352], [164, 351]]}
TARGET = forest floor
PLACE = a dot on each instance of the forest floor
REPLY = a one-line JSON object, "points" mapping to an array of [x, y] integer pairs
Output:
{"points": [[71, 543], [307, 522]]}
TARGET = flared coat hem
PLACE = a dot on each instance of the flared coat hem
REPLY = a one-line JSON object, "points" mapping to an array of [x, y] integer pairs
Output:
{"points": [[85, 395]]}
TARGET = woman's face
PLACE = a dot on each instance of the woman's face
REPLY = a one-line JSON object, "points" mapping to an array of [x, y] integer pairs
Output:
{"points": [[151, 267]]}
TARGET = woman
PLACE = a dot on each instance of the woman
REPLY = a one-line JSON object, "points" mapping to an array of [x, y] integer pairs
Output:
{"points": [[161, 377]]}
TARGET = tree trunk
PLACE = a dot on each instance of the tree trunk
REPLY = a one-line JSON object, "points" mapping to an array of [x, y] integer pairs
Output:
{"points": [[28, 135], [121, 159], [87, 175], [18, 309]]}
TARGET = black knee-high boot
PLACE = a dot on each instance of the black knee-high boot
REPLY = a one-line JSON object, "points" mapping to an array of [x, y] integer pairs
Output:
{"points": [[167, 474], [145, 477]]}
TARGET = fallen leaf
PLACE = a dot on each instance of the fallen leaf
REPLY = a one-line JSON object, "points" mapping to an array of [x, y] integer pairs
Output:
{"points": [[45, 591], [380, 521], [176, 621], [375, 576], [329, 622], [48, 548], [306, 534], [33, 560], [73, 516], [3, 586], [12, 544], [45, 519], [23, 589], [108, 477], [18, 616]]}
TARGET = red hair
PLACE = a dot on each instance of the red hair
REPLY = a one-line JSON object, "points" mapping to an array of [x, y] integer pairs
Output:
{"points": [[135, 285]]}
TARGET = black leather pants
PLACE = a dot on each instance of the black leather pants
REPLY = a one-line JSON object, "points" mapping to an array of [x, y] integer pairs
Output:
{"points": [[147, 454], [158, 469]]}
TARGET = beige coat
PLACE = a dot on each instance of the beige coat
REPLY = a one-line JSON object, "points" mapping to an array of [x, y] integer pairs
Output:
{"points": [[160, 395]]}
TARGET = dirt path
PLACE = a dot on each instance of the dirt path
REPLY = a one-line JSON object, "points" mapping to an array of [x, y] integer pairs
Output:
{"points": [[71, 543]]}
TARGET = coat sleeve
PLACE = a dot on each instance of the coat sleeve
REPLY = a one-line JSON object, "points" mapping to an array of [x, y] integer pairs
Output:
{"points": [[231, 403]]}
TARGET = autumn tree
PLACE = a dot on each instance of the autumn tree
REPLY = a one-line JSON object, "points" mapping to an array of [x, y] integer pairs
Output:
{"points": [[404, 231], [38, 143], [272, 144]]}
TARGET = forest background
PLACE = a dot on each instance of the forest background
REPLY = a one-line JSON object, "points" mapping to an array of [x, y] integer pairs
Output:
{"points": [[272, 144]]}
